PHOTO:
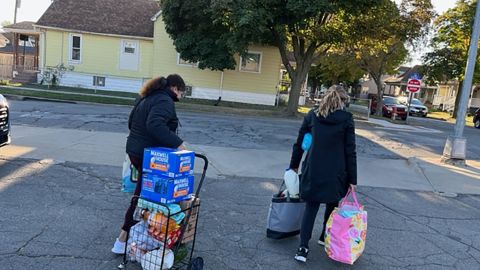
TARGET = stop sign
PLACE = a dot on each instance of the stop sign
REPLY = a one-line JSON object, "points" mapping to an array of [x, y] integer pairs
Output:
{"points": [[413, 85]]}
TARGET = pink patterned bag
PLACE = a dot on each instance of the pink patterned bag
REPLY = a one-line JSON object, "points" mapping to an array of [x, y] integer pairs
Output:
{"points": [[346, 230]]}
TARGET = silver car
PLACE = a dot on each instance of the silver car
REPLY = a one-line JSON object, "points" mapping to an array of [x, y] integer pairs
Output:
{"points": [[4, 121], [418, 108]]}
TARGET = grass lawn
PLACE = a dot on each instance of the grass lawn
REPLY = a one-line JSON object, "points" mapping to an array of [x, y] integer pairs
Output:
{"points": [[447, 117], [66, 97], [117, 97], [83, 90], [304, 109]]}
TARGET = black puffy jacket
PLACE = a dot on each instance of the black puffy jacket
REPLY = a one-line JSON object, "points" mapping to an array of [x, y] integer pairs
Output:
{"points": [[153, 122]]}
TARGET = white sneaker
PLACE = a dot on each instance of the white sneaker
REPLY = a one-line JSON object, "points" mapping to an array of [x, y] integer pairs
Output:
{"points": [[118, 247]]}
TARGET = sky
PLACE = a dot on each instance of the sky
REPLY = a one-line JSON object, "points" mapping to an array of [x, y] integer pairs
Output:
{"points": [[31, 10]]}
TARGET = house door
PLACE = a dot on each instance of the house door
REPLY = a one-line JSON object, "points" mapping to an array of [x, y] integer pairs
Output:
{"points": [[129, 55]]}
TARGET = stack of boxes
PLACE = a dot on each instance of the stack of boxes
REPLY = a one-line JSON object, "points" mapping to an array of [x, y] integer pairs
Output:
{"points": [[167, 175]]}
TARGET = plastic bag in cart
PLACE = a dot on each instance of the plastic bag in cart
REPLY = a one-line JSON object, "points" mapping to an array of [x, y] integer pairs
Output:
{"points": [[152, 260], [139, 242]]}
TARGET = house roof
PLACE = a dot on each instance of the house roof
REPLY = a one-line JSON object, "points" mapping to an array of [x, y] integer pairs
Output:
{"points": [[405, 76], [119, 17], [26, 25]]}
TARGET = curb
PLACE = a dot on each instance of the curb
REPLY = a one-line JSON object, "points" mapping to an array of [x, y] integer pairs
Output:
{"points": [[24, 98]]}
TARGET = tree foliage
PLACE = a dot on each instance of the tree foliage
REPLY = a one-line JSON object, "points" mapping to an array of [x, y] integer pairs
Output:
{"points": [[212, 32], [450, 46], [378, 38], [333, 68]]}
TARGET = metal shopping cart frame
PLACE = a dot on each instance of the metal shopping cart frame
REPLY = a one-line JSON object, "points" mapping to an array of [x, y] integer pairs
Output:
{"points": [[194, 208]]}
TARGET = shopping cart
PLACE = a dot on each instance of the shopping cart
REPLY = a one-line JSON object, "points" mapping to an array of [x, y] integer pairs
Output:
{"points": [[160, 240]]}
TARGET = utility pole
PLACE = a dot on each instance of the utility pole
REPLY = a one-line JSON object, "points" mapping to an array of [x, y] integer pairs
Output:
{"points": [[17, 6], [455, 150]]}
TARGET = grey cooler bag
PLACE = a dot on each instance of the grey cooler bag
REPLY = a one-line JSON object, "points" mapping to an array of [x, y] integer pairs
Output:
{"points": [[284, 217]]}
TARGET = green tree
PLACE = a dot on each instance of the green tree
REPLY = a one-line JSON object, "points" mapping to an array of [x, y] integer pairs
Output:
{"points": [[378, 38], [333, 68], [450, 45], [213, 32], [5, 23]]}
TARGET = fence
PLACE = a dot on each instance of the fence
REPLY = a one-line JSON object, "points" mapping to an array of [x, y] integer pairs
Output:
{"points": [[6, 66], [27, 62], [360, 108]]}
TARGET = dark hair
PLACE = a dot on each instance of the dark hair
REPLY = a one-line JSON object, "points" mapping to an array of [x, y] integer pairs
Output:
{"points": [[161, 83], [176, 80]]}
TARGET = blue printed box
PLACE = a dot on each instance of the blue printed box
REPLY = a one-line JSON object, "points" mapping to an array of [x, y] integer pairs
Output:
{"points": [[168, 162], [161, 189]]}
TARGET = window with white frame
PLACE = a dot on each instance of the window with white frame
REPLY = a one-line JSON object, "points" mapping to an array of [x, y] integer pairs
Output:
{"points": [[98, 81], [75, 50], [182, 62], [251, 62]]}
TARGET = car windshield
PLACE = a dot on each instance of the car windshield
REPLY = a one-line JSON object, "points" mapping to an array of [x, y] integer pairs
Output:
{"points": [[392, 101], [416, 102]]}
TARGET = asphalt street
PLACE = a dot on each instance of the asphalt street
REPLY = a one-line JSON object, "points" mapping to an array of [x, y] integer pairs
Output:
{"points": [[65, 215], [242, 131]]}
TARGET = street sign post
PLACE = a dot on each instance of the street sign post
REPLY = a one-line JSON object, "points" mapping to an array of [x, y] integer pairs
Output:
{"points": [[413, 86], [455, 150]]}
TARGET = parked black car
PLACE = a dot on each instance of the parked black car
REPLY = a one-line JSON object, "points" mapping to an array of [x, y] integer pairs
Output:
{"points": [[4, 121], [476, 119]]}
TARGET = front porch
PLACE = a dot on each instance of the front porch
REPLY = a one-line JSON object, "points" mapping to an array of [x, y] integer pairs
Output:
{"points": [[19, 59]]}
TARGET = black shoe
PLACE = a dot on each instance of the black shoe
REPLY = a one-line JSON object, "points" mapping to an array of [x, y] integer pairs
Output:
{"points": [[302, 254]]}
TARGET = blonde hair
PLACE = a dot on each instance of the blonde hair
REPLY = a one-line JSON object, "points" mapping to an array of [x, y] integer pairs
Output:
{"points": [[334, 99]]}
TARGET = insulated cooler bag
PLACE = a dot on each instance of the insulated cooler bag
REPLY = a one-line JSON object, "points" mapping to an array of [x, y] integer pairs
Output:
{"points": [[284, 217]]}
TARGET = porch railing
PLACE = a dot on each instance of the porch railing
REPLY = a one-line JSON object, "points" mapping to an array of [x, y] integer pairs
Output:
{"points": [[474, 102]]}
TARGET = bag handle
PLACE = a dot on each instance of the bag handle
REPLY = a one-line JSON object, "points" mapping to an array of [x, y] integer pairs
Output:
{"points": [[350, 192]]}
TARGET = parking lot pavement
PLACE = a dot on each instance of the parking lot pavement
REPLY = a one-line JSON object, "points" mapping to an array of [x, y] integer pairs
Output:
{"points": [[66, 216]]}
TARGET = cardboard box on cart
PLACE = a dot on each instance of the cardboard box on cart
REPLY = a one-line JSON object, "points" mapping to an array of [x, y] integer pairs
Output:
{"points": [[168, 162], [167, 175], [192, 222], [166, 190]]}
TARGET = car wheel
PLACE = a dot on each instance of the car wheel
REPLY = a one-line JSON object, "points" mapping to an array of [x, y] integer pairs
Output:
{"points": [[404, 118], [477, 123], [425, 115]]}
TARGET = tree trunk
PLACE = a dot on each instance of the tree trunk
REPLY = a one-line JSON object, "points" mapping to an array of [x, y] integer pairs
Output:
{"points": [[457, 99], [314, 87], [297, 81], [379, 109]]}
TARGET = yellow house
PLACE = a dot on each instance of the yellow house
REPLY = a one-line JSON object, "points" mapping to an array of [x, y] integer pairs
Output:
{"points": [[119, 44]]}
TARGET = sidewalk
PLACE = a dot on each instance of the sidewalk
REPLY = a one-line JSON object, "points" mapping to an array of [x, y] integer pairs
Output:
{"points": [[107, 148]]}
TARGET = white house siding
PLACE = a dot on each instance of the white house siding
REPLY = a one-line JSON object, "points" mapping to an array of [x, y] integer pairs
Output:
{"points": [[112, 83], [235, 96]]}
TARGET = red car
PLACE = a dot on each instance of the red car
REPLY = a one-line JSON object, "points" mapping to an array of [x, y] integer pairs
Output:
{"points": [[391, 105]]}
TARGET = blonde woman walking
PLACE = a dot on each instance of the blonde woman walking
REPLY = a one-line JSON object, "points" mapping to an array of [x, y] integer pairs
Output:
{"points": [[330, 166]]}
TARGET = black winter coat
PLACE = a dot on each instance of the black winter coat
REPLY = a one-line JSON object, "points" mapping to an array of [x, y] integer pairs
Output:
{"points": [[153, 123], [331, 162]]}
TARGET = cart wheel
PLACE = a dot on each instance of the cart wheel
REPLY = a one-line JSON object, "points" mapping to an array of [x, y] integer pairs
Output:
{"points": [[121, 266]]}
